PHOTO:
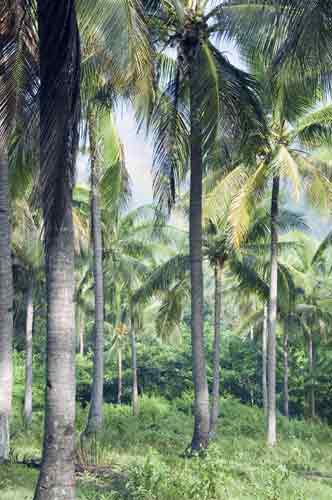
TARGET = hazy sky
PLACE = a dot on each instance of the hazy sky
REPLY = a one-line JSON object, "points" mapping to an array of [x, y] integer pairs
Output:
{"points": [[138, 154]]}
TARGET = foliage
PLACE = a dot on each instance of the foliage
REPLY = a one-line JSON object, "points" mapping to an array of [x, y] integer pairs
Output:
{"points": [[146, 458]]}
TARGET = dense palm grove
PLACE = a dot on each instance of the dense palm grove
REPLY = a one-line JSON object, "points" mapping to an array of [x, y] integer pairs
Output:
{"points": [[214, 322]]}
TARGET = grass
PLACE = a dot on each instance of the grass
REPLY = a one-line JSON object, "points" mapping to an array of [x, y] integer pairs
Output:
{"points": [[145, 456]]}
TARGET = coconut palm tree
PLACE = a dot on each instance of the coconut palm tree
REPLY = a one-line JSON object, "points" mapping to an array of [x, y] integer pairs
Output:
{"points": [[12, 41], [108, 72], [59, 117], [185, 119], [131, 247], [312, 308], [110, 172], [220, 251], [296, 126], [29, 259], [6, 320]]}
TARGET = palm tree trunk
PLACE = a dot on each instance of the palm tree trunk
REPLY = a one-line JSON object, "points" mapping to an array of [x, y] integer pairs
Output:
{"points": [[6, 309], [134, 391], [251, 390], [119, 375], [82, 338], [272, 319], [216, 349], [264, 361], [202, 418], [95, 419], [56, 479], [311, 356], [28, 356], [286, 371], [59, 115]]}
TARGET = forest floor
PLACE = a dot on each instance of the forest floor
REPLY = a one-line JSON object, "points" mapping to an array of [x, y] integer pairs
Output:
{"points": [[143, 458]]}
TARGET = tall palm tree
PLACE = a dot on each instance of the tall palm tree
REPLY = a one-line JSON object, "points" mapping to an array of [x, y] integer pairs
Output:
{"points": [[17, 53], [28, 255], [130, 249], [108, 72], [59, 117], [95, 415], [6, 319], [7, 42], [106, 165], [185, 119], [295, 128]]}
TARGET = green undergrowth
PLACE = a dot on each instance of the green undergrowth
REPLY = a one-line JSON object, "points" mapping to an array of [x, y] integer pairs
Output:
{"points": [[145, 457]]}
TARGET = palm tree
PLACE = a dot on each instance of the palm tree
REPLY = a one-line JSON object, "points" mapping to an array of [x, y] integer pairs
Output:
{"points": [[106, 165], [130, 249], [28, 255], [95, 415], [17, 44], [292, 122], [6, 319], [59, 116], [312, 308], [107, 73], [8, 52], [185, 120], [226, 184]]}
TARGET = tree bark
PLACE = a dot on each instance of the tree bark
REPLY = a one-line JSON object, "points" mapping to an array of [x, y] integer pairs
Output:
{"points": [[28, 356], [202, 418], [119, 375], [286, 371], [215, 404], [311, 358], [6, 309], [264, 361], [82, 338], [56, 479], [134, 391], [272, 318], [95, 420], [59, 116]]}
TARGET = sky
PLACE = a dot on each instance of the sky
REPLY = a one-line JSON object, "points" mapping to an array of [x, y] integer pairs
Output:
{"points": [[138, 156]]}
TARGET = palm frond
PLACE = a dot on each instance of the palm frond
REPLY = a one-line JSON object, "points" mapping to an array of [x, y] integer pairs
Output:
{"points": [[163, 277], [59, 110], [323, 246]]}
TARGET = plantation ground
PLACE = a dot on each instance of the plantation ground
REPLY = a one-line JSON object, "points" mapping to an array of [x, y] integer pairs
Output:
{"points": [[142, 458]]}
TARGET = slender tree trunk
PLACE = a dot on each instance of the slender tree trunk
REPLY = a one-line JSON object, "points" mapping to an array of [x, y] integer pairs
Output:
{"points": [[82, 338], [95, 419], [272, 319], [28, 356], [264, 361], [119, 375], [59, 114], [286, 370], [215, 403], [134, 390], [311, 357], [6, 309], [202, 418], [251, 390]]}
